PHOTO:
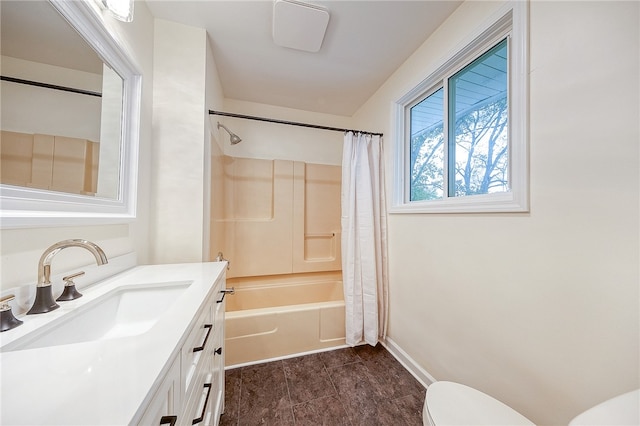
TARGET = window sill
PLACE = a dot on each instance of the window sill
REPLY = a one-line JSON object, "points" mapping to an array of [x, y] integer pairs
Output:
{"points": [[506, 202]]}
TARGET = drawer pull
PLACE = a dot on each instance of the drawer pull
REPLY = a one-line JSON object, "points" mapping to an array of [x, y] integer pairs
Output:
{"points": [[169, 420], [207, 386], [219, 350], [199, 348], [224, 292]]}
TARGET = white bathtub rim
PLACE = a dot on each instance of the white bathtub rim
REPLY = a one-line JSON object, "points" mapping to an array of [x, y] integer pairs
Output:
{"points": [[282, 309]]}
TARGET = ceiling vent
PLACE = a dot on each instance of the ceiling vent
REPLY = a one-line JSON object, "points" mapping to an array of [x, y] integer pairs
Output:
{"points": [[298, 25]]}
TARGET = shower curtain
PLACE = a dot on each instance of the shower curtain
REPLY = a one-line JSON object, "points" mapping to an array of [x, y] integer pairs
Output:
{"points": [[364, 239]]}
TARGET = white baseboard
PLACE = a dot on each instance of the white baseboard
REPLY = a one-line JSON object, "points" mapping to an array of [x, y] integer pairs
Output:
{"points": [[403, 358]]}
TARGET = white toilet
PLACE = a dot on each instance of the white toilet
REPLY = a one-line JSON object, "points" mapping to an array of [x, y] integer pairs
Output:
{"points": [[621, 410], [449, 403]]}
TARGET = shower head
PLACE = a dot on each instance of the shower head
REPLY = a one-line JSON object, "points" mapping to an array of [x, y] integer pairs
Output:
{"points": [[233, 138]]}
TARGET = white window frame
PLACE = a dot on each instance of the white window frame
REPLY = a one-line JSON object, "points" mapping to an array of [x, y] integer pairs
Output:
{"points": [[511, 21]]}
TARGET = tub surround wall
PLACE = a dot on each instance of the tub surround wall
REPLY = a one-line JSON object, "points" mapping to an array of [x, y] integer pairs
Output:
{"points": [[258, 216], [539, 310], [316, 217], [57, 163], [279, 225], [279, 217]]}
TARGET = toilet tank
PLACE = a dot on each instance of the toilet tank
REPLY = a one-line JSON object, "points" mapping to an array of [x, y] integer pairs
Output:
{"points": [[621, 410]]}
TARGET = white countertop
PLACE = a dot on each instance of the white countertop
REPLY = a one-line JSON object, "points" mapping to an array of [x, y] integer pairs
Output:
{"points": [[106, 381]]}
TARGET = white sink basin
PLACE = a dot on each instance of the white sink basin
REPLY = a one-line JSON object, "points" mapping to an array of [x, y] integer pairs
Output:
{"points": [[126, 311]]}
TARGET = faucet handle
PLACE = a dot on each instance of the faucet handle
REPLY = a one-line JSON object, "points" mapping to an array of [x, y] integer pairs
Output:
{"points": [[70, 292], [7, 320], [4, 302], [68, 280], [220, 258]]}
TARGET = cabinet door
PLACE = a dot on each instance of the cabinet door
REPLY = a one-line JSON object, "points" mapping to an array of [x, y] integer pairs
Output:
{"points": [[198, 344], [167, 402], [198, 406], [217, 380], [217, 384]]}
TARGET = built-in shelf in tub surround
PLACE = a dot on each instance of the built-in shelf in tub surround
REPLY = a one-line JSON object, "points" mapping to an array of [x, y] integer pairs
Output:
{"points": [[119, 380]]}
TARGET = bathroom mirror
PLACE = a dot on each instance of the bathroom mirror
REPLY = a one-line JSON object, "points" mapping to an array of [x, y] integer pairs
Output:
{"points": [[70, 122]]}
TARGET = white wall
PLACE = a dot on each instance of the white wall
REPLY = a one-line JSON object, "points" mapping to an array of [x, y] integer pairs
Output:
{"points": [[278, 141], [540, 309], [213, 148], [186, 86], [32, 109], [21, 248], [180, 54], [110, 147]]}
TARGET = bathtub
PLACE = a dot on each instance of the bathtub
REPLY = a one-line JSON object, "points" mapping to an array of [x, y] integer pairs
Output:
{"points": [[277, 316]]}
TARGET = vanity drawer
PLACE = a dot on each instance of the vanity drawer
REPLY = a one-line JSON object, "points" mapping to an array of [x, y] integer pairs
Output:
{"points": [[200, 403], [198, 347]]}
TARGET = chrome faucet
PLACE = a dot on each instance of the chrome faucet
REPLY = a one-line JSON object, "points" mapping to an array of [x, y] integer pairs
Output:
{"points": [[44, 294]]}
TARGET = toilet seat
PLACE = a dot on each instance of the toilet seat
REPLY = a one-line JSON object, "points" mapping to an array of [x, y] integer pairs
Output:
{"points": [[449, 403]]}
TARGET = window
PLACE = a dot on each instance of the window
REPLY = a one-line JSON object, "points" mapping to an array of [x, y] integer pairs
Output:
{"points": [[461, 134]]}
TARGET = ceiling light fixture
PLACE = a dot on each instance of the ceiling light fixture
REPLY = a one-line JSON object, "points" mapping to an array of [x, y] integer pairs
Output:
{"points": [[298, 25], [120, 9]]}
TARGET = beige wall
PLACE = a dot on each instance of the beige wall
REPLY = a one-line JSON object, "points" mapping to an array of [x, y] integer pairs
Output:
{"points": [[21, 248], [541, 309]]}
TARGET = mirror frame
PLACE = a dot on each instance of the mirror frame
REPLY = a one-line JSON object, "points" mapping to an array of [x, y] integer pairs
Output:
{"points": [[31, 208]]}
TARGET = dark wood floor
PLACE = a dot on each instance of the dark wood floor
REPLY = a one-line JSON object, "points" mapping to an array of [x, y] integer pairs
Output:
{"points": [[352, 386]]}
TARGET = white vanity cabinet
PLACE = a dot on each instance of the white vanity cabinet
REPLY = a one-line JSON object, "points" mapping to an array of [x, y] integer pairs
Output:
{"points": [[168, 368], [166, 399], [192, 391]]}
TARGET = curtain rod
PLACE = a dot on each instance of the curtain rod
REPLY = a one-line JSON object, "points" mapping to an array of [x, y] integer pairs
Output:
{"points": [[50, 86], [291, 123]]}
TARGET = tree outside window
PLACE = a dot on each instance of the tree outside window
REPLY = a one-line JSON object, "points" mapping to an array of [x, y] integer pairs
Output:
{"points": [[474, 157]]}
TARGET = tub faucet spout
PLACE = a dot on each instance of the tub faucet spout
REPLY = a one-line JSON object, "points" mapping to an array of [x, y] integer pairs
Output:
{"points": [[44, 295]]}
